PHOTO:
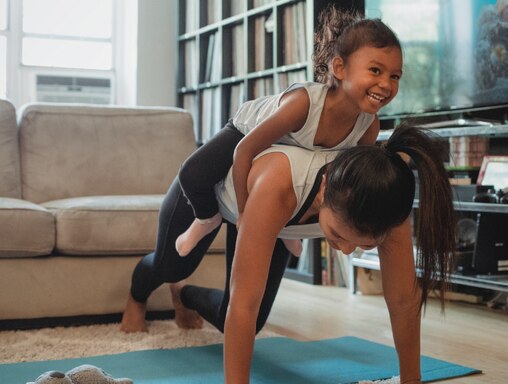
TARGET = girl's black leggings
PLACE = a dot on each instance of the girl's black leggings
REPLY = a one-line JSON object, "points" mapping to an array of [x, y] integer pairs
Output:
{"points": [[165, 265], [206, 167]]}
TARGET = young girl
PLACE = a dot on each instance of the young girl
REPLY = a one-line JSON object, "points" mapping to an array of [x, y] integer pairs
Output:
{"points": [[360, 198], [359, 64]]}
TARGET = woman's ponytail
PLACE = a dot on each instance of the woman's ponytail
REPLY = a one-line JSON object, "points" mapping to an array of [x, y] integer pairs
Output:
{"points": [[373, 188], [435, 218]]}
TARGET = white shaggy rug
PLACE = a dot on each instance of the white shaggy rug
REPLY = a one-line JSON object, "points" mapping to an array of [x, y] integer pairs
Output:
{"points": [[63, 343], [105, 339]]}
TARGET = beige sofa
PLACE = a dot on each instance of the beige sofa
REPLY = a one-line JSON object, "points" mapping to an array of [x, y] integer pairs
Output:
{"points": [[80, 190]]}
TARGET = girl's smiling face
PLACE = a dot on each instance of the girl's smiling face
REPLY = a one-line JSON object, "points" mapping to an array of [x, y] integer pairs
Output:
{"points": [[370, 77]]}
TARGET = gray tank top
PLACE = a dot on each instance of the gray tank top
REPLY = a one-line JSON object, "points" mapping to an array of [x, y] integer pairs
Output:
{"points": [[253, 112], [305, 166]]}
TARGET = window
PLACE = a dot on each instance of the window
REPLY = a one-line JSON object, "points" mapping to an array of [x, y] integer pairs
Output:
{"points": [[71, 34], [69, 39]]}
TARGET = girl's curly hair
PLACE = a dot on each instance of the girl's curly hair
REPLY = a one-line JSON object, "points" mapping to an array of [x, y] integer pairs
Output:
{"points": [[341, 33]]}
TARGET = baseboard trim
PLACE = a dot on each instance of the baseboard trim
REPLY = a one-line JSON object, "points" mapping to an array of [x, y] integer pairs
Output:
{"points": [[72, 321]]}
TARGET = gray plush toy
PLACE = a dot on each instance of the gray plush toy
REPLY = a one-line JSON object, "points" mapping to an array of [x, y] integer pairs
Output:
{"points": [[84, 374]]}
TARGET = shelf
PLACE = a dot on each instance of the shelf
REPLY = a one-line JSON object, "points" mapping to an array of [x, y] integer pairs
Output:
{"points": [[493, 282], [480, 207], [488, 131], [285, 69], [474, 207], [261, 46]]}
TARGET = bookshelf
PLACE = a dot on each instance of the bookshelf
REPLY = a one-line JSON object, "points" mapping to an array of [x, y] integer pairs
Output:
{"points": [[231, 51]]}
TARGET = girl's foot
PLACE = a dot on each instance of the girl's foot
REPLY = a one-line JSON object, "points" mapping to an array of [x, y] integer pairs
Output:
{"points": [[133, 319], [198, 229], [293, 246], [185, 318]]}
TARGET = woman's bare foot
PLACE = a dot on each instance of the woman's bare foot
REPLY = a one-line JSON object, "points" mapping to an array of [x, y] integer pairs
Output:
{"points": [[184, 317], [197, 230], [133, 319], [293, 246]]}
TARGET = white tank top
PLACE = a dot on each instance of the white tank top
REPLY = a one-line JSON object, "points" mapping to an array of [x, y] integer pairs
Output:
{"points": [[305, 166], [253, 112]]}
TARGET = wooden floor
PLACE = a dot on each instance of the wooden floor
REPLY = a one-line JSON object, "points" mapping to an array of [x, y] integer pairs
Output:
{"points": [[467, 334]]}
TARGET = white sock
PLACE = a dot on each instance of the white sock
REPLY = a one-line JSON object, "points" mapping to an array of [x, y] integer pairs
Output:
{"points": [[197, 230]]}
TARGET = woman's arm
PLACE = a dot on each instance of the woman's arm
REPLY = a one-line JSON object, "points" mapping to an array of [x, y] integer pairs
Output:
{"points": [[289, 117], [402, 295], [269, 207]]}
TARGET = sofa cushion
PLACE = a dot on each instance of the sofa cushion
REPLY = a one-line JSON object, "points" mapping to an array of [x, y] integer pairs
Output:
{"points": [[111, 225], [75, 150], [106, 225], [27, 229], [10, 185]]}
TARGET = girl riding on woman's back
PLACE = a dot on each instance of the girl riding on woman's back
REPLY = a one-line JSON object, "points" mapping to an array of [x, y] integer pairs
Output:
{"points": [[358, 63]]}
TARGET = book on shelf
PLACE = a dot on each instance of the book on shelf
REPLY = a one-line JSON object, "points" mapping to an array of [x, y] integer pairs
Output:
{"points": [[300, 29], [236, 7], [336, 266], [216, 64], [237, 97], [262, 87], [191, 65], [468, 151], [259, 43], [460, 180], [264, 26], [238, 57], [212, 11], [287, 33], [191, 15], [294, 42], [190, 103], [210, 113], [212, 65], [259, 3], [288, 78], [210, 52]]}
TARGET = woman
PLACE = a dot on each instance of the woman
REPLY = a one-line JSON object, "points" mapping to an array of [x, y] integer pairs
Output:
{"points": [[362, 198]]}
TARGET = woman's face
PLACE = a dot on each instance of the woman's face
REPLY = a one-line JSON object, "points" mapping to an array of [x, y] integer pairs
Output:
{"points": [[342, 236]]}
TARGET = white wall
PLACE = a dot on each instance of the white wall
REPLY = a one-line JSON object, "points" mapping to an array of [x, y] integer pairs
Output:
{"points": [[157, 52]]}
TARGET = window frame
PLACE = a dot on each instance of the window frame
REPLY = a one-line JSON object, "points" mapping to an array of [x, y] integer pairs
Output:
{"points": [[20, 84], [112, 40]]}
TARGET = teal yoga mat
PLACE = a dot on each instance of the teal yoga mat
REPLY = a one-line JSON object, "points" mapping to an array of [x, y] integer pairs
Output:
{"points": [[276, 360]]}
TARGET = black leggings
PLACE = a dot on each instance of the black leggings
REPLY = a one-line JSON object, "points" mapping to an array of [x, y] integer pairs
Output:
{"points": [[206, 167], [165, 265]]}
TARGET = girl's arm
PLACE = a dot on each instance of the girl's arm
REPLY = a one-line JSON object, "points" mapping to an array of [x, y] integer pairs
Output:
{"points": [[269, 207], [402, 295], [289, 117], [370, 135]]}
